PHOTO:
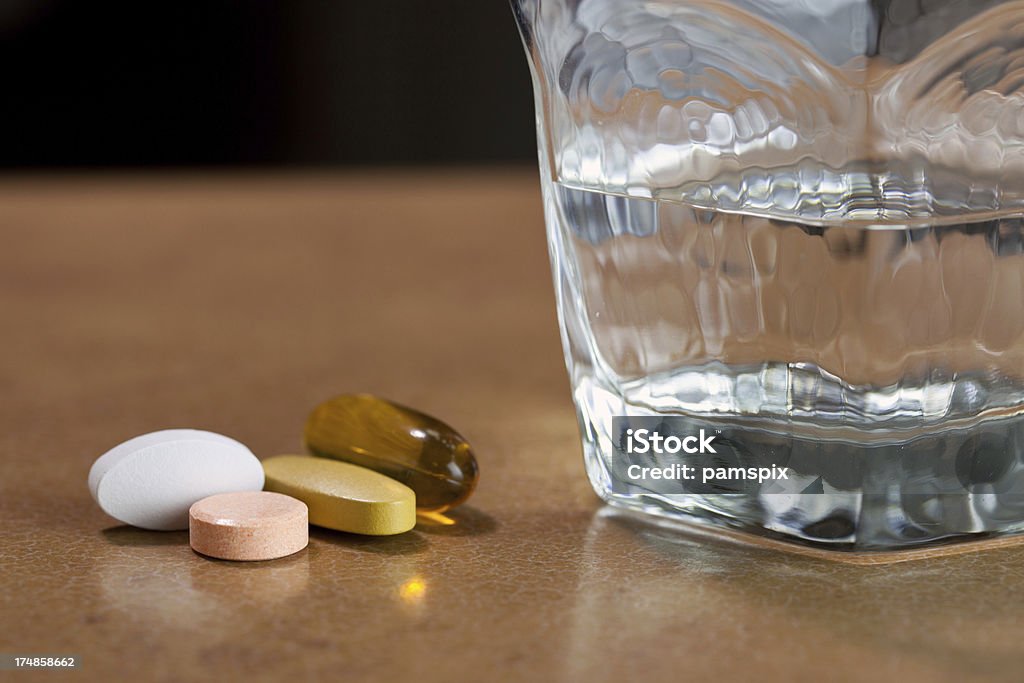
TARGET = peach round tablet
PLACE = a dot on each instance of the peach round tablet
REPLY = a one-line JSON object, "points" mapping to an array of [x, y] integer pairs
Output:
{"points": [[252, 525]]}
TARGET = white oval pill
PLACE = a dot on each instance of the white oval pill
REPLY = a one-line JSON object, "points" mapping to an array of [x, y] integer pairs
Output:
{"points": [[152, 480]]}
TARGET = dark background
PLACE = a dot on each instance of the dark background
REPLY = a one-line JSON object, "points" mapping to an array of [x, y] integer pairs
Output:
{"points": [[291, 82]]}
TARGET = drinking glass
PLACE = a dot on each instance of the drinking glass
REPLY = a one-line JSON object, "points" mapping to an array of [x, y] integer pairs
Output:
{"points": [[796, 226]]}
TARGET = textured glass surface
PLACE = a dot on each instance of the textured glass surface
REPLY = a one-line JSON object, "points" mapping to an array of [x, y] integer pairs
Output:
{"points": [[800, 222]]}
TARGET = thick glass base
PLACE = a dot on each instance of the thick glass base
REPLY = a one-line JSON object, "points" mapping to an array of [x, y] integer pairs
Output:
{"points": [[909, 490]]}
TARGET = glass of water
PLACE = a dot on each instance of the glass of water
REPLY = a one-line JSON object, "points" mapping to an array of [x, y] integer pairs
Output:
{"points": [[793, 226]]}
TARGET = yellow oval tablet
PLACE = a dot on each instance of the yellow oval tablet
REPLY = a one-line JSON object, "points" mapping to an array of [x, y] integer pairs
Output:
{"points": [[343, 496]]}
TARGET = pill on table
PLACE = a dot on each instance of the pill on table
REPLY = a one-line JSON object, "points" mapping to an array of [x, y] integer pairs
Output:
{"points": [[416, 449], [152, 480], [343, 496], [251, 525]]}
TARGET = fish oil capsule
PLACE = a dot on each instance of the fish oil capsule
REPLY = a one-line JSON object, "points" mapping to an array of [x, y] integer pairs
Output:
{"points": [[416, 449]]}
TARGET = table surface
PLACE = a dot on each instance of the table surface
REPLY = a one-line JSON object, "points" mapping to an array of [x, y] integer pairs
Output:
{"points": [[236, 303]]}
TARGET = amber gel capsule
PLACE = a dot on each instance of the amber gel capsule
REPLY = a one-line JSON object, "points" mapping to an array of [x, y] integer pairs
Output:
{"points": [[420, 451]]}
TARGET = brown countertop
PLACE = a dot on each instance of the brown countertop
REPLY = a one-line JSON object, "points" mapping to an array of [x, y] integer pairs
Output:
{"points": [[236, 303]]}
